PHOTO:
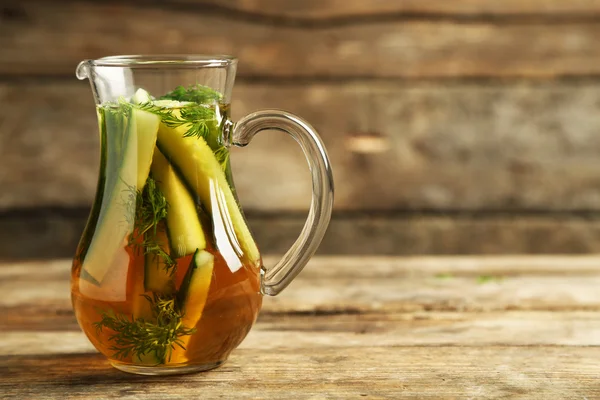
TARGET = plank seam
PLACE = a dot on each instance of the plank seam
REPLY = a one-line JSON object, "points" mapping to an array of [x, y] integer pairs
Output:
{"points": [[308, 23], [78, 212], [303, 80]]}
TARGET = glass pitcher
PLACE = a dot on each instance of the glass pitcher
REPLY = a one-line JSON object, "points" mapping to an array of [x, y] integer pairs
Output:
{"points": [[167, 277]]}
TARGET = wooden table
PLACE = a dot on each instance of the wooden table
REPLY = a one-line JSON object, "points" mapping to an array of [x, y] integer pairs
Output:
{"points": [[348, 328]]}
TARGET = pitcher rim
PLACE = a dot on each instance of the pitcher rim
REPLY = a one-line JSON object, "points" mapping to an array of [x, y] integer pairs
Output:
{"points": [[165, 60]]}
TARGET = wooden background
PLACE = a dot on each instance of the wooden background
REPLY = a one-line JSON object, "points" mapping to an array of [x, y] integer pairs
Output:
{"points": [[485, 116]]}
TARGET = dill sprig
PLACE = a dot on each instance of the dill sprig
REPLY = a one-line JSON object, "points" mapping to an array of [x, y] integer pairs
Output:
{"points": [[151, 208], [222, 156], [194, 117], [139, 337], [151, 247], [199, 94], [199, 115]]}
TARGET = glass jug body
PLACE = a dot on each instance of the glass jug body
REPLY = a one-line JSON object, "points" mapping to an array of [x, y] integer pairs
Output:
{"points": [[167, 277]]}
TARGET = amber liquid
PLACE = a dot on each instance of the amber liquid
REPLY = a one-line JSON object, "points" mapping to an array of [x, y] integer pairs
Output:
{"points": [[233, 298], [231, 308]]}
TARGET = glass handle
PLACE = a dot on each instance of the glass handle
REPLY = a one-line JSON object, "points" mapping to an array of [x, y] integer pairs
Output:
{"points": [[279, 276]]}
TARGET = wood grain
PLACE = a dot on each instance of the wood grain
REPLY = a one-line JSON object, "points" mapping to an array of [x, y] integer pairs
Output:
{"points": [[392, 49], [522, 146], [46, 332], [374, 373], [332, 10], [531, 332], [338, 285], [415, 233], [57, 233]]}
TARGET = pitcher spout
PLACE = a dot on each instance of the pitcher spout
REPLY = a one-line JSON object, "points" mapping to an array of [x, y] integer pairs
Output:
{"points": [[83, 70]]}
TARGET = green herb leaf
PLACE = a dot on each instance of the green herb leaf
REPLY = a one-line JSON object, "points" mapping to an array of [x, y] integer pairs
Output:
{"points": [[222, 156], [138, 337], [196, 118], [196, 93], [150, 209]]}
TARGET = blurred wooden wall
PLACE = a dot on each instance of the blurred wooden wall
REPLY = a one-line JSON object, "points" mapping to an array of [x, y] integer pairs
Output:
{"points": [[465, 126]]}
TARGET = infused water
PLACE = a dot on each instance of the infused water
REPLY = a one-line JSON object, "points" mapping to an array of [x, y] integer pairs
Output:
{"points": [[167, 272]]}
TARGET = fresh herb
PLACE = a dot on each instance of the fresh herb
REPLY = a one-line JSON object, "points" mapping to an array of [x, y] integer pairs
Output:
{"points": [[222, 156], [196, 93], [197, 116], [150, 209], [197, 120], [151, 247], [140, 337], [194, 117]]}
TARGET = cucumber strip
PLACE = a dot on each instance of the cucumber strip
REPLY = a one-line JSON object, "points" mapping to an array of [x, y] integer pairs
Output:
{"points": [[157, 278], [90, 226], [194, 288], [142, 309], [140, 97], [115, 220], [130, 143], [184, 228], [193, 157], [147, 130], [172, 103], [192, 296]]}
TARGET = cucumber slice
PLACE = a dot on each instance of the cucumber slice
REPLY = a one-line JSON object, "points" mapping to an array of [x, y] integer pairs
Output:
{"points": [[142, 309], [90, 227], [130, 142], [194, 287], [147, 128], [141, 306], [184, 228], [193, 157], [115, 220], [192, 296], [141, 97], [172, 103], [157, 278]]}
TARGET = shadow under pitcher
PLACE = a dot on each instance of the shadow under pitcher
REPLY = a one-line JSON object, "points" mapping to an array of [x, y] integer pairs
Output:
{"points": [[167, 278]]}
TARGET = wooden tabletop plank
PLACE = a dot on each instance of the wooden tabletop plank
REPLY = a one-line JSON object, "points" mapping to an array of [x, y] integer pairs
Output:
{"points": [[401, 330], [369, 267], [348, 327], [382, 284], [544, 372]]}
